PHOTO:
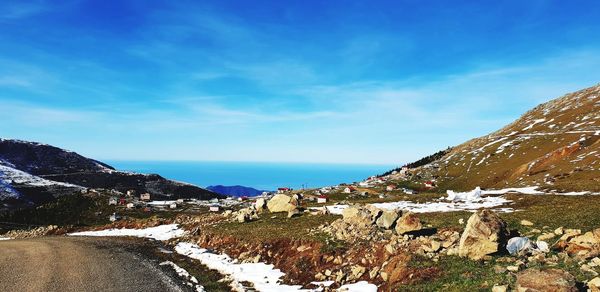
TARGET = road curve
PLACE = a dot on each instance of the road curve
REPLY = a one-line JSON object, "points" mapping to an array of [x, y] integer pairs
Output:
{"points": [[77, 264]]}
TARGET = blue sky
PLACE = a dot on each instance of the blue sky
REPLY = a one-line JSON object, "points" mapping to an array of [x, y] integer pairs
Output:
{"points": [[381, 82]]}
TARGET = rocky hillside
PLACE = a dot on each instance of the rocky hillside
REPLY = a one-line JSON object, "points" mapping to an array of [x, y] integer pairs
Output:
{"points": [[34, 173], [555, 146]]}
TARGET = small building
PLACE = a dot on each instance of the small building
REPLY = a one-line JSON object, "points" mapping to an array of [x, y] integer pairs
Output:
{"points": [[130, 205], [349, 190], [130, 193], [390, 188], [114, 217], [112, 201], [429, 184], [322, 199], [179, 201], [283, 190], [122, 201], [145, 197], [173, 205], [404, 170], [214, 208]]}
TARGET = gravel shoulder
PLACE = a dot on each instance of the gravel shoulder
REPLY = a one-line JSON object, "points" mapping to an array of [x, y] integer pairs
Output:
{"points": [[81, 264]]}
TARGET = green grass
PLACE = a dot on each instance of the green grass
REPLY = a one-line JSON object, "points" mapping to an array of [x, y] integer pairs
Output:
{"points": [[456, 274], [274, 228]]}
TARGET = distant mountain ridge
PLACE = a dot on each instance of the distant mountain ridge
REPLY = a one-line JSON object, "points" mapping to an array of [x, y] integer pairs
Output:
{"points": [[555, 146], [33, 173], [237, 191]]}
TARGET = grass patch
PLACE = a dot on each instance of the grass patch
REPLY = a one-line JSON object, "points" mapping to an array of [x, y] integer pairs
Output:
{"points": [[274, 226], [457, 274]]}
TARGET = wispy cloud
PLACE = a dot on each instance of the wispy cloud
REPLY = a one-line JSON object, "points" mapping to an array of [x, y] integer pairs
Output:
{"points": [[11, 10]]}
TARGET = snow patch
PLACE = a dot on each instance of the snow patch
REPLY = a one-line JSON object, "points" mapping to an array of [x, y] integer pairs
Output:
{"points": [[14, 176], [264, 277], [161, 232], [190, 280], [535, 122]]}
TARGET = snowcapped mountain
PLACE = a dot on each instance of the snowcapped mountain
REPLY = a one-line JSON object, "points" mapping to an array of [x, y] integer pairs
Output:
{"points": [[34, 173], [556, 145]]}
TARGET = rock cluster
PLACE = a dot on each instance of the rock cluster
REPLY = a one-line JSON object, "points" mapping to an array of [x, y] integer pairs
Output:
{"points": [[246, 215], [36, 232], [279, 203], [371, 223], [585, 245]]}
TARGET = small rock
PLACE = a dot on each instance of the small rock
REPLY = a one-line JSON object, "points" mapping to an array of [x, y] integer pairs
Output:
{"points": [[499, 269], [559, 231], [526, 223], [594, 285], [512, 269], [384, 276], [435, 245], [588, 269], [500, 288], [294, 213], [546, 236]]}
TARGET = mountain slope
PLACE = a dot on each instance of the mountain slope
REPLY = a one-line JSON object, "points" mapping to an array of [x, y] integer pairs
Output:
{"points": [[33, 173], [556, 145]]}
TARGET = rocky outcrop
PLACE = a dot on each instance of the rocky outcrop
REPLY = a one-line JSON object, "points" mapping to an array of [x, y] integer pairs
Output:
{"points": [[533, 280], [484, 234], [280, 203]]}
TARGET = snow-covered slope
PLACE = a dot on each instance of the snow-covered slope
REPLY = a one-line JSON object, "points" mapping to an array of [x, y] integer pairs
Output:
{"points": [[556, 145]]}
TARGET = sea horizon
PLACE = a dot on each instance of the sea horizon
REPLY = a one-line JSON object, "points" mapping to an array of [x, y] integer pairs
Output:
{"points": [[259, 175]]}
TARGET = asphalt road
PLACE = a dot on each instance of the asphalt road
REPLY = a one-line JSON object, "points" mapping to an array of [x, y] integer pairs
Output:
{"points": [[78, 264]]}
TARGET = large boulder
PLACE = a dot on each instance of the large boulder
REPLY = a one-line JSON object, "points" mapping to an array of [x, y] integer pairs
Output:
{"points": [[407, 223], [358, 215], [387, 219], [533, 280], [484, 234], [280, 203]]}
